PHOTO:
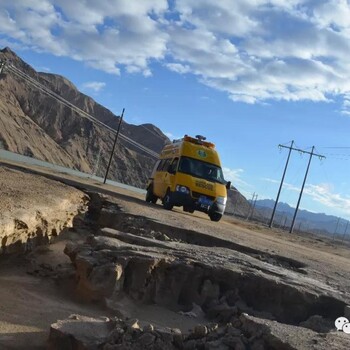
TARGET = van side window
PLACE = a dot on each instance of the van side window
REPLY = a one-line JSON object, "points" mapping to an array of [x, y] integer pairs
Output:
{"points": [[173, 166], [166, 165]]}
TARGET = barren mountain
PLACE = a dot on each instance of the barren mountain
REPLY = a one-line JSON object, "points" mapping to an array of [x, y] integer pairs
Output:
{"points": [[35, 124]]}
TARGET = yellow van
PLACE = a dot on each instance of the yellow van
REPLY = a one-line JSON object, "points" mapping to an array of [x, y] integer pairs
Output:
{"points": [[188, 173]]}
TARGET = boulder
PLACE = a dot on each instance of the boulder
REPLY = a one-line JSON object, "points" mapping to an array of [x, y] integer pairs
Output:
{"points": [[79, 333]]}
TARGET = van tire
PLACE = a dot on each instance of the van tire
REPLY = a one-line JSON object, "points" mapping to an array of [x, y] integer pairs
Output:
{"points": [[215, 217], [150, 197], [167, 202]]}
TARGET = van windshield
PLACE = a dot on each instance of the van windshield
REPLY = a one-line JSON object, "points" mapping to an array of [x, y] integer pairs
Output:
{"points": [[203, 170]]}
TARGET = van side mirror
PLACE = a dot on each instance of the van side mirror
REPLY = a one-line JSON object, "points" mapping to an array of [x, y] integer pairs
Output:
{"points": [[228, 185]]}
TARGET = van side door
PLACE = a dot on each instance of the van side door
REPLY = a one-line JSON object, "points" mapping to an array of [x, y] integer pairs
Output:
{"points": [[163, 180], [158, 179], [170, 175]]}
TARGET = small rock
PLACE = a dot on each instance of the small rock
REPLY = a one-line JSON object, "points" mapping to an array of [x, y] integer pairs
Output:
{"points": [[133, 323], [74, 317], [87, 331], [194, 313], [165, 334], [178, 338], [148, 328], [200, 331], [210, 290], [212, 327], [116, 335], [164, 237], [176, 331]]}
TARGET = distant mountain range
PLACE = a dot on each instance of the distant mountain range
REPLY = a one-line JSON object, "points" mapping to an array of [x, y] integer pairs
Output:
{"points": [[305, 221]]}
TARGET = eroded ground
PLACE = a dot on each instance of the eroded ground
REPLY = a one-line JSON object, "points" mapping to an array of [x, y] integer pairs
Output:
{"points": [[190, 283]]}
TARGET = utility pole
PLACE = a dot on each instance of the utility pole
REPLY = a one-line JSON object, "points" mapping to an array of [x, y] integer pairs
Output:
{"points": [[302, 187], [115, 142], [336, 228], [252, 207], [282, 217], [256, 197], [281, 184], [285, 222], [346, 228], [300, 223]]}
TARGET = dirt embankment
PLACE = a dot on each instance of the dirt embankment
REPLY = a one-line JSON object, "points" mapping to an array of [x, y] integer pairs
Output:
{"points": [[33, 209]]}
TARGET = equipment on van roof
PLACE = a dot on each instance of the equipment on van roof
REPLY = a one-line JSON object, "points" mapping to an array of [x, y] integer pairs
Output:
{"points": [[189, 174]]}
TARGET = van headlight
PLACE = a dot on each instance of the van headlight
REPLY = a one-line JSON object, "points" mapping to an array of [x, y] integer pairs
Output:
{"points": [[182, 189], [221, 200]]}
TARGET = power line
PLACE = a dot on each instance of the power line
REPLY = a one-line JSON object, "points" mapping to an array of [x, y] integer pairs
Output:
{"points": [[338, 147], [252, 206], [14, 70]]}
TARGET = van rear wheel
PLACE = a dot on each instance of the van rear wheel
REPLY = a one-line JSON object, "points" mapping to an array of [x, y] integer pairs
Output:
{"points": [[150, 197], [215, 216], [167, 202]]}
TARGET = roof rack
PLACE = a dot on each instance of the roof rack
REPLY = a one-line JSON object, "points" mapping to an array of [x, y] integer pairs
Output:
{"points": [[199, 140]]}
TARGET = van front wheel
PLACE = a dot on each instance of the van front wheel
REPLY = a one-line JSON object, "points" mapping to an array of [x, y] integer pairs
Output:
{"points": [[215, 216], [150, 197], [167, 202]]}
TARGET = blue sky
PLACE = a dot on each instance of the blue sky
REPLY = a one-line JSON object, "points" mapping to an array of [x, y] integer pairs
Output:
{"points": [[248, 74]]}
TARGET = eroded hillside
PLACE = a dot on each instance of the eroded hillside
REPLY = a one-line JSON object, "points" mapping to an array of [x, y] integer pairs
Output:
{"points": [[35, 124]]}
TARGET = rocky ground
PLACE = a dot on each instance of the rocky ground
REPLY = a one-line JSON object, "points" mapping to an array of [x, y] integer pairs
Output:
{"points": [[130, 275]]}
